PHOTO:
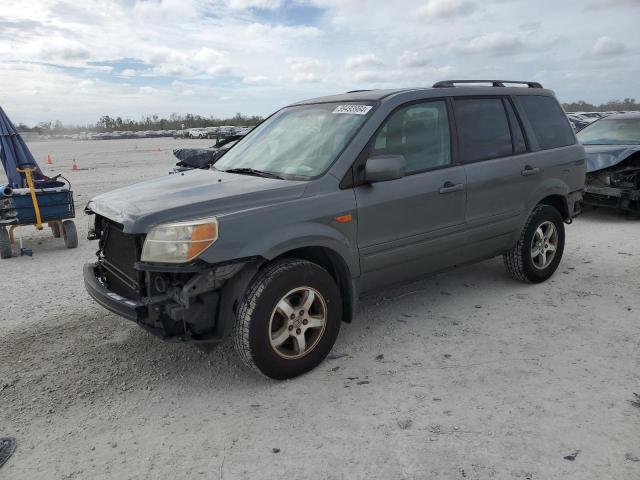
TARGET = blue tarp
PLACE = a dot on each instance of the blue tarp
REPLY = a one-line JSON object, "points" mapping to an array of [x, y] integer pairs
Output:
{"points": [[14, 153]]}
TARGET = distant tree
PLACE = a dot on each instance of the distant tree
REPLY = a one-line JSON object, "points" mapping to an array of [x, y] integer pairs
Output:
{"points": [[611, 105], [175, 121]]}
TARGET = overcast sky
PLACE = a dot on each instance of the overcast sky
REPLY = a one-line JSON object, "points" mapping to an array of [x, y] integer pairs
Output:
{"points": [[77, 60]]}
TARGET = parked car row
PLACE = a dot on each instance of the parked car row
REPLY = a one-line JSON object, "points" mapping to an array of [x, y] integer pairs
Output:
{"points": [[213, 132], [122, 134], [208, 132], [580, 120]]}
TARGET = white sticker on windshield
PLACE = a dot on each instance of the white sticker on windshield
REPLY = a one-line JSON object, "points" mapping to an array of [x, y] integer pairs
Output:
{"points": [[353, 109]]}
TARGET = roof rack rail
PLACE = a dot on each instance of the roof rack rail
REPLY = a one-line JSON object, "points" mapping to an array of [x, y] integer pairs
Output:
{"points": [[356, 91], [494, 83]]}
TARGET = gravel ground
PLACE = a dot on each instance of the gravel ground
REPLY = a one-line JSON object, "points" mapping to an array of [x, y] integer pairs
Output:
{"points": [[467, 375]]}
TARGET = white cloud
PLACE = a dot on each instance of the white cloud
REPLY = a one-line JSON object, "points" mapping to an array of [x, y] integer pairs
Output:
{"points": [[606, 46], [615, 3], [221, 49], [306, 78], [364, 60], [494, 43], [302, 64], [446, 9], [243, 4], [255, 80], [412, 59]]}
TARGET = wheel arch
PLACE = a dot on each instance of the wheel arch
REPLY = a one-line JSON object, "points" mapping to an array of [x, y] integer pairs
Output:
{"points": [[559, 202], [337, 267]]}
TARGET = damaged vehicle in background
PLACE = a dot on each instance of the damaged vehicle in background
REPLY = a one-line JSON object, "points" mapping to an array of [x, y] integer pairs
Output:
{"points": [[190, 158], [612, 148]]}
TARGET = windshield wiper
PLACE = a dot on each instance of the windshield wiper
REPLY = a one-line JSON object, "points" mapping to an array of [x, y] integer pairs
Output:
{"points": [[253, 171]]}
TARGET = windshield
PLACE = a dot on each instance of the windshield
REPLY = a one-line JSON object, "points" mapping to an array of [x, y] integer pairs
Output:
{"points": [[611, 131], [298, 142]]}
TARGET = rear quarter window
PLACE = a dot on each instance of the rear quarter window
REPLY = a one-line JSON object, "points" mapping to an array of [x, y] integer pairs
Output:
{"points": [[549, 123]]}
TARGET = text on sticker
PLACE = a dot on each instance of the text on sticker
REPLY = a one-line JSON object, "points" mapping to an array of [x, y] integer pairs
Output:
{"points": [[353, 109]]}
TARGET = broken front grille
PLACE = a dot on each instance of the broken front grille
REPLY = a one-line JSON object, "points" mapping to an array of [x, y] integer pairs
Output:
{"points": [[120, 252]]}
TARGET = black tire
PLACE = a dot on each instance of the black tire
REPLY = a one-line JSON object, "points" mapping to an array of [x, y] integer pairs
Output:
{"points": [[55, 230], [519, 260], [70, 234], [252, 329], [5, 244]]}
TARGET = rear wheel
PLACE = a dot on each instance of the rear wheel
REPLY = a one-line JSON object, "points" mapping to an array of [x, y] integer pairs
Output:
{"points": [[289, 319], [539, 250], [70, 234], [5, 244]]}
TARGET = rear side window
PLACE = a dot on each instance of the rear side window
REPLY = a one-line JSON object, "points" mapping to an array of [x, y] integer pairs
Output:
{"points": [[483, 128], [548, 121]]}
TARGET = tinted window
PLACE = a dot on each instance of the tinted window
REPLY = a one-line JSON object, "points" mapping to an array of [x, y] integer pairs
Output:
{"points": [[519, 145], [418, 132], [548, 121], [483, 129]]}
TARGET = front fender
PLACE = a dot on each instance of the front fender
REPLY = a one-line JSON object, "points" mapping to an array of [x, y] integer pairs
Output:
{"points": [[307, 234], [272, 230]]}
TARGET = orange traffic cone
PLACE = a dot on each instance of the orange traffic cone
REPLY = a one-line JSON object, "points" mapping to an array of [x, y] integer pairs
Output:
{"points": [[49, 159], [74, 167]]}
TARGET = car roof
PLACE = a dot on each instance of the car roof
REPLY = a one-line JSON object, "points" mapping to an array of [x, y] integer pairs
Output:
{"points": [[388, 94]]}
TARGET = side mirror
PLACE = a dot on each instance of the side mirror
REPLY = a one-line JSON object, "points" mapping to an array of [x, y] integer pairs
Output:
{"points": [[382, 168]]}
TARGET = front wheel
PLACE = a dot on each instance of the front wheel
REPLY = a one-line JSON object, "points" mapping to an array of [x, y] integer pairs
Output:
{"points": [[289, 319], [539, 250]]}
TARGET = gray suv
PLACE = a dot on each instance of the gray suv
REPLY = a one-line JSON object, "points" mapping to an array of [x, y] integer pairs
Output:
{"points": [[334, 197]]}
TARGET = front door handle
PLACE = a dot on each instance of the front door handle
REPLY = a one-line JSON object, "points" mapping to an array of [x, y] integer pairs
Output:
{"points": [[449, 187], [529, 170]]}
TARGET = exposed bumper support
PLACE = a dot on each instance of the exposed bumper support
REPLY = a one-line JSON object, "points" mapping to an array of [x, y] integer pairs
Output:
{"points": [[613, 192], [198, 310], [129, 309], [622, 198]]}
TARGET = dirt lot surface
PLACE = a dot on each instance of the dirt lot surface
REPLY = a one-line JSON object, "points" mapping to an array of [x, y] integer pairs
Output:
{"points": [[467, 375]]}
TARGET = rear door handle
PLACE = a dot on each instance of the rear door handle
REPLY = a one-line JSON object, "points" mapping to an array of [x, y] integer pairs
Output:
{"points": [[529, 170], [449, 187]]}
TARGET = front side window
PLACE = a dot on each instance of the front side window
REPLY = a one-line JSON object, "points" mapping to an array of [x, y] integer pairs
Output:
{"points": [[548, 120], [297, 142], [483, 128], [611, 131], [418, 132]]}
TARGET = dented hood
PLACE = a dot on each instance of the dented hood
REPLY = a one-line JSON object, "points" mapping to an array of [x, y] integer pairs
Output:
{"points": [[604, 156], [190, 195]]}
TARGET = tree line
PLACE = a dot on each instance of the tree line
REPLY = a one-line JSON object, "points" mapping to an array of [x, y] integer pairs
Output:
{"points": [[610, 106], [107, 123]]}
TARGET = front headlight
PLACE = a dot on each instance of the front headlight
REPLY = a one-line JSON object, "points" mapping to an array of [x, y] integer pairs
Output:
{"points": [[179, 242]]}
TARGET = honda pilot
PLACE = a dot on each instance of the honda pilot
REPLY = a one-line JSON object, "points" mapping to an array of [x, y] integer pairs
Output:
{"points": [[331, 198]]}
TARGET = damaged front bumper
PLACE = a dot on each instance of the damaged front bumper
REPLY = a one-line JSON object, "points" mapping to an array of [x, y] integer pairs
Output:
{"points": [[192, 305], [608, 190]]}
